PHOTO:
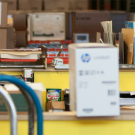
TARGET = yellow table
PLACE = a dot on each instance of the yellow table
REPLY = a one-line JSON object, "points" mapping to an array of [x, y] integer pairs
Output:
{"points": [[123, 125]]}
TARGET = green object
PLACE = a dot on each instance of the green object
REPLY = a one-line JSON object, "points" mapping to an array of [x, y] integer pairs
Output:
{"points": [[19, 101], [53, 95]]}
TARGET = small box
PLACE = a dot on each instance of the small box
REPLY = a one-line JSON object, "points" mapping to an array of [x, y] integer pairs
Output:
{"points": [[7, 38], [94, 79], [53, 94], [28, 75], [81, 38], [56, 106]]}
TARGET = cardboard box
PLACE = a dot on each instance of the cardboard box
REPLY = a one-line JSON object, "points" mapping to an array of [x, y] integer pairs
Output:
{"points": [[56, 106], [118, 21], [56, 5], [20, 21], [30, 4], [128, 37], [89, 22], [107, 5], [131, 17], [7, 38], [12, 4], [47, 26], [78, 4], [66, 5], [3, 15], [94, 79], [21, 39]]}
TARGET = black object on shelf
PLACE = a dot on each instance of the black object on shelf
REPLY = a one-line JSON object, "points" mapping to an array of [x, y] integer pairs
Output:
{"points": [[66, 99]]}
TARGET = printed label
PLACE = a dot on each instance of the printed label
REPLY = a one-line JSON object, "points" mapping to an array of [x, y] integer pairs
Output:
{"points": [[28, 73], [53, 95]]}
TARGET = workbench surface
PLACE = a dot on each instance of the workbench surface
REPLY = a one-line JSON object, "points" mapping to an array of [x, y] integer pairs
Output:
{"points": [[71, 116]]}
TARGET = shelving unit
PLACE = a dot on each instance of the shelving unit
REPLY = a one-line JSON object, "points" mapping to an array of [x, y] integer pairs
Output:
{"points": [[67, 123]]}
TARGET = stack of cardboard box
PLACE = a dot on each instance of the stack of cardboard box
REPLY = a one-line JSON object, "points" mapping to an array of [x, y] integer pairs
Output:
{"points": [[20, 25], [6, 33]]}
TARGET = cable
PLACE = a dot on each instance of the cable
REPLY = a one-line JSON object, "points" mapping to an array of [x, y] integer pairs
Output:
{"points": [[33, 95]]}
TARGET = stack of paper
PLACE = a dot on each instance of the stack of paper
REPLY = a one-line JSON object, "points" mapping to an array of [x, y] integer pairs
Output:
{"points": [[107, 26], [20, 55], [127, 98]]}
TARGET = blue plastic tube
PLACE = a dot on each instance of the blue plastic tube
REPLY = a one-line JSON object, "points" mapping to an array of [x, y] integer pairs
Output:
{"points": [[33, 95]]}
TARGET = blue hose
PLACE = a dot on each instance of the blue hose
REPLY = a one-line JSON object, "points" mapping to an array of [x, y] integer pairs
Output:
{"points": [[33, 95]]}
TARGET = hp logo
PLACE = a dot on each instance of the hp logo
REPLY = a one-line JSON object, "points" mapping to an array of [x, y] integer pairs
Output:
{"points": [[85, 58]]}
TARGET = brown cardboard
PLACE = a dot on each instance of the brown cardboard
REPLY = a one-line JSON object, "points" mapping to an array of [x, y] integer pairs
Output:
{"points": [[78, 4], [20, 21], [4, 16], [30, 4], [49, 105], [12, 4], [131, 17], [55, 105], [60, 105], [21, 38], [128, 35], [6, 38], [68, 21], [66, 4], [89, 22], [56, 4], [98, 37]]}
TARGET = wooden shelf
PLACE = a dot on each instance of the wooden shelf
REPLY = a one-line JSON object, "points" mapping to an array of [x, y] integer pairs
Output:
{"points": [[71, 116], [123, 67], [49, 69]]}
